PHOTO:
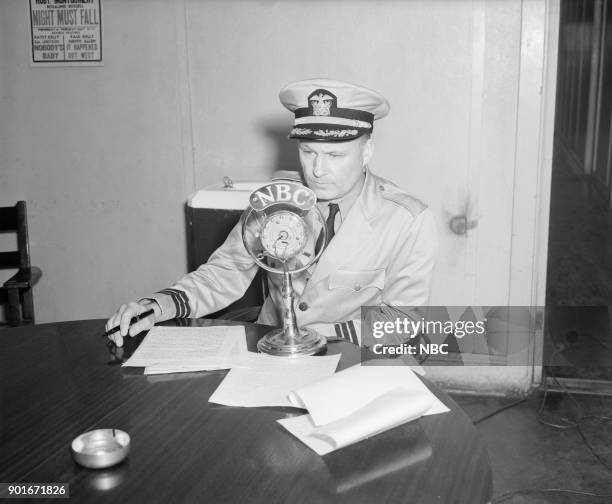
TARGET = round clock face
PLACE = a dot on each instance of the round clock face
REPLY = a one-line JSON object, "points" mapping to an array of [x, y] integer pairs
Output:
{"points": [[283, 234]]}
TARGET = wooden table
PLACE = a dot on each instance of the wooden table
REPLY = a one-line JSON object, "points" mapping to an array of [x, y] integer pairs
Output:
{"points": [[55, 383]]}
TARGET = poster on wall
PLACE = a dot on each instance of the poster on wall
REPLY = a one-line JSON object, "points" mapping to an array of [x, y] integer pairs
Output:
{"points": [[66, 32]]}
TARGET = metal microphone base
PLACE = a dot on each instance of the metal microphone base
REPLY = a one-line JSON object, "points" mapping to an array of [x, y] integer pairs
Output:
{"points": [[304, 342]]}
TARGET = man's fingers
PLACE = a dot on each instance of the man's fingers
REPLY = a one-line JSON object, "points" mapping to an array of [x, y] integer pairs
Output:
{"points": [[114, 320], [117, 339], [131, 310], [122, 319], [142, 325]]}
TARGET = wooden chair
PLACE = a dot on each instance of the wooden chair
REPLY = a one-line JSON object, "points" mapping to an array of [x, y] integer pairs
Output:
{"points": [[16, 293]]}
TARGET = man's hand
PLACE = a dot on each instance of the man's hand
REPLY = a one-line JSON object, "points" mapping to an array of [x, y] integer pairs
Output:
{"points": [[125, 313]]}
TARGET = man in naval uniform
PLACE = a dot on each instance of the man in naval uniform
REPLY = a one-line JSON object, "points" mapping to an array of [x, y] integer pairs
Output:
{"points": [[381, 244]]}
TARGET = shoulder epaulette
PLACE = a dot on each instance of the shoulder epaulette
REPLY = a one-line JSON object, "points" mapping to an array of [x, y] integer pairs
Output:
{"points": [[414, 205]]}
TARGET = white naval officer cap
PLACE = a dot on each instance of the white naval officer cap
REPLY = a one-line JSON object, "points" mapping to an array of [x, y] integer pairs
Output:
{"points": [[331, 110]]}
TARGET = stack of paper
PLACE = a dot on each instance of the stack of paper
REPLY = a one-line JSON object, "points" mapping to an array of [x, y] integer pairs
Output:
{"points": [[182, 349], [357, 403]]}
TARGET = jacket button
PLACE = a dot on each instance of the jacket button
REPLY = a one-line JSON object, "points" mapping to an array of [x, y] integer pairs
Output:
{"points": [[357, 287], [303, 306]]}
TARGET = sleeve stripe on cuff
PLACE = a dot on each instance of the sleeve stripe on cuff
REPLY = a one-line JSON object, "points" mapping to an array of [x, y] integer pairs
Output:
{"points": [[185, 303], [345, 333], [180, 302], [351, 328], [177, 307], [338, 331]]}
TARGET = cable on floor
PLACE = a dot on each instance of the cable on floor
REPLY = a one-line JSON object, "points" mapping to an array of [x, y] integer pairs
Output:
{"points": [[580, 416], [570, 424], [496, 412]]}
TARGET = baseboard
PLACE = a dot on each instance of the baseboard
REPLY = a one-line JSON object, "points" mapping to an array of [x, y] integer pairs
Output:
{"points": [[579, 386]]}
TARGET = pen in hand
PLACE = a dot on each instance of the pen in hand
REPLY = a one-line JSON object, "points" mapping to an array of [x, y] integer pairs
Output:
{"points": [[143, 315]]}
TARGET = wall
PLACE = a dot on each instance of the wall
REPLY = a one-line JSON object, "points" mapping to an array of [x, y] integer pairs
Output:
{"points": [[98, 155], [188, 93]]}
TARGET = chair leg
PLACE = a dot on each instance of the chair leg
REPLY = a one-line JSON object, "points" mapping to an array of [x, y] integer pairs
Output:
{"points": [[28, 307], [14, 313]]}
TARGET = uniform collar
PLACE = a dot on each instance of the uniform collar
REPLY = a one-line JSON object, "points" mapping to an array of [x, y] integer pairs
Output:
{"points": [[344, 205], [365, 199]]}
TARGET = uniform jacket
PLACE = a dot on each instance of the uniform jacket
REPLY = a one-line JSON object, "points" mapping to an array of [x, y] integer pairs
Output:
{"points": [[382, 255]]}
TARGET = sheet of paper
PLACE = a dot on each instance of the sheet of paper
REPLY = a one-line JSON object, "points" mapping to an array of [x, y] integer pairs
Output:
{"points": [[189, 348], [357, 403], [393, 408], [355, 387], [268, 380]]}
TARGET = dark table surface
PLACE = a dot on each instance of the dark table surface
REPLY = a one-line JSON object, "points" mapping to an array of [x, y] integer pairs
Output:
{"points": [[56, 383]]}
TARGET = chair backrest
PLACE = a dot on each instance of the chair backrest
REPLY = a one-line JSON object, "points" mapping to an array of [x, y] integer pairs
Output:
{"points": [[15, 220]]}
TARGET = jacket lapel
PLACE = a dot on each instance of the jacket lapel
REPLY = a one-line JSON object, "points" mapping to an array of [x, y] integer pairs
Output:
{"points": [[347, 241]]}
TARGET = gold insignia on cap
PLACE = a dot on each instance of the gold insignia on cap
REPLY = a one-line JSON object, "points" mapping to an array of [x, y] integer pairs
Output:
{"points": [[321, 102]]}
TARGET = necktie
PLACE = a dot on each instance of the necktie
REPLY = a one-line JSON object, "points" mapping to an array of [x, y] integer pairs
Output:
{"points": [[331, 219], [329, 226]]}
